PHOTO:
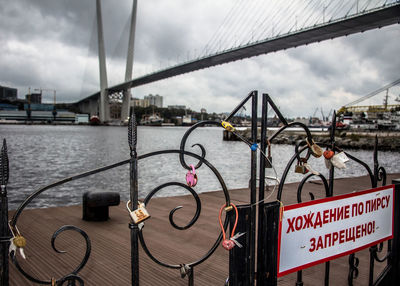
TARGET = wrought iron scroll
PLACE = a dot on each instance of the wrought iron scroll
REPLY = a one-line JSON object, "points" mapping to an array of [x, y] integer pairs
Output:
{"points": [[185, 268], [71, 277], [353, 268]]}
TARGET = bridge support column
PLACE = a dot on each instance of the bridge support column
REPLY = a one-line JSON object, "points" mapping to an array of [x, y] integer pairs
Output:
{"points": [[104, 110], [129, 64]]}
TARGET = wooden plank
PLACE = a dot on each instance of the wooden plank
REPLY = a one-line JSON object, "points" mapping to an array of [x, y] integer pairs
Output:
{"points": [[109, 263]]}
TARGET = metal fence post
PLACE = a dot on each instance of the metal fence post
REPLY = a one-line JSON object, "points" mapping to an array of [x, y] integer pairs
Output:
{"points": [[263, 143], [133, 170], [395, 255], [4, 236], [4, 229], [268, 244], [239, 266], [253, 187]]}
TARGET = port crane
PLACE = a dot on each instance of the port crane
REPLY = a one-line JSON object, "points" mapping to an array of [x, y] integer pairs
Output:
{"points": [[350, 107]]}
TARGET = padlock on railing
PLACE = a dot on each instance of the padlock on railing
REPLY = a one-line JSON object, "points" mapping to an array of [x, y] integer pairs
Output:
{"points": [[268, 159], [339, 160], [300, 168], [316, 150], [229, 243], [18, 242], [138, 215], [226, 125], [328, 154], [191, 177]]}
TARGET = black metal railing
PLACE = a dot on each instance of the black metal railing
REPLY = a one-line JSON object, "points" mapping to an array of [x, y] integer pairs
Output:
{"points": [[243, 259]]}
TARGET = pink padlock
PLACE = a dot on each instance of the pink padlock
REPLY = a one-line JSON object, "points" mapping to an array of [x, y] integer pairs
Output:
{"points": [[191, 177], [228, 244]]}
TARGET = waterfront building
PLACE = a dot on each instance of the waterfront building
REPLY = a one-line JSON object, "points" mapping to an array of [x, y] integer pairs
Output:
{"points": [[8, 93], [34, 98], [140, 102], [155, 100]]}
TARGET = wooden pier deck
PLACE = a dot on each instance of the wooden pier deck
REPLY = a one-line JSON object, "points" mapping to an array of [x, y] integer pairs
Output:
{"points": [[109, 262]]}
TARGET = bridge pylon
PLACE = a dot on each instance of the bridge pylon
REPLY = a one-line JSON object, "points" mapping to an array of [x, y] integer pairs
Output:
{"points": [[126, 98], [104, 108]]}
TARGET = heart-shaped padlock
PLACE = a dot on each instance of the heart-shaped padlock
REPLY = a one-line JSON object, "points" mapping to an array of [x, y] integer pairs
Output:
{"points": [[191, 177], [228, 244], [328, 154]]}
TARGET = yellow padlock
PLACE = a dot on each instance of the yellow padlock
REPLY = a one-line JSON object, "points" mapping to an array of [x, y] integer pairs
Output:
{"points": [[19, 241], [228, 126]]}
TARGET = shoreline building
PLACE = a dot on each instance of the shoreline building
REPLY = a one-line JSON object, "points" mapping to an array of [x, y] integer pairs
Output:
{"points": [[148, 100], [8, 93], [155, 100]]}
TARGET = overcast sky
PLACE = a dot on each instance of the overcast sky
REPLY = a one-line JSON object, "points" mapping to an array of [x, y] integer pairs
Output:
{"points": [[52, 44]]}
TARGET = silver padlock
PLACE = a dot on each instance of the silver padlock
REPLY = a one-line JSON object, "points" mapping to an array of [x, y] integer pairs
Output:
{"points": [[138, 215]]}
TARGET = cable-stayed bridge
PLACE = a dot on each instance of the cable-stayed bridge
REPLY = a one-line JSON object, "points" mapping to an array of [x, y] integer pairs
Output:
{"points": [[248, 33]]}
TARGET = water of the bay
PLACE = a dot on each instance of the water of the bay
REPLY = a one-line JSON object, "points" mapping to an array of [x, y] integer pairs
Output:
{"points": [[42, 154]]}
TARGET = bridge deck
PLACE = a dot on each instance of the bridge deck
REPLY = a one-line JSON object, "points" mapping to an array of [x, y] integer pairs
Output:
{"points": [[337, 28], [109, 263]]}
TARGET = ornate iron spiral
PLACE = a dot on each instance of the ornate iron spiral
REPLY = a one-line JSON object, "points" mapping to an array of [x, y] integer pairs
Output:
{"points": [[73, 276], [184, 139], [378, 249], [381, 176], [353, 268], [304, 180], [197, 213]]}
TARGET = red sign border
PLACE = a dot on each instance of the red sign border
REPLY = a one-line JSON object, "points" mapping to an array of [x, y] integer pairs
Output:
{"points": [[328, 199]]}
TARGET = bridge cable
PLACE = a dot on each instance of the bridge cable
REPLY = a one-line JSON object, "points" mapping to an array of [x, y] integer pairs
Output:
{"points": [[238, 13], [269, 23], [238, 26], [245, 32], [226, 19]]}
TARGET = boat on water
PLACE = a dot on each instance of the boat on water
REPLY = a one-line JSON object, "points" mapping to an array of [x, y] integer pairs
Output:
{"points": [[152, 119], [94, 120]]}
